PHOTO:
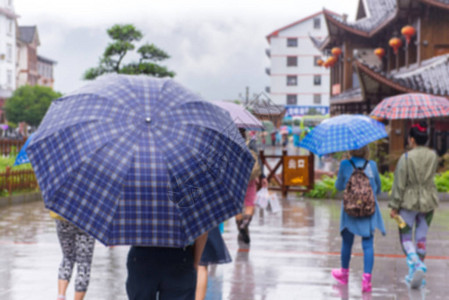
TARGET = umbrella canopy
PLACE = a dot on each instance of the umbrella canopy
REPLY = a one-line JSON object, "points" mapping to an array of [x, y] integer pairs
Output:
{"points": [[285, 129], [343, 133], [135, 160], [412, 106], [268, 126], [241, 116], [22, 157]]}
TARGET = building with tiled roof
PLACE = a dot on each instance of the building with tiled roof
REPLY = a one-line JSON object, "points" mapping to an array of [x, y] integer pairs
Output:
{"points": [[359, 79]]}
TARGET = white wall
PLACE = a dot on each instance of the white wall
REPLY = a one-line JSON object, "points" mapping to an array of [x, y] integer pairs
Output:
{"points": [[305, 70], [7, 62]]}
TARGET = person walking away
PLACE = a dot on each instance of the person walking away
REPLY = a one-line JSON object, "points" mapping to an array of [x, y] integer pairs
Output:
{"points": [[414, 198], [164, 273], [244, 219], [77, 248], [273, 138], [215, 252], [359, 178]]}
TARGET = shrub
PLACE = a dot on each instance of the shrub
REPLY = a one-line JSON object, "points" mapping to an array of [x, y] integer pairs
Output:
{"points": [[324, 188]]}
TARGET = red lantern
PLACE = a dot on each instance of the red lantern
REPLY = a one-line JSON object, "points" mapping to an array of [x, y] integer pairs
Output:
{"points": [[336, 52], [395, 43], [331, 61], [408, 31], [320, 62], [380, 52]]}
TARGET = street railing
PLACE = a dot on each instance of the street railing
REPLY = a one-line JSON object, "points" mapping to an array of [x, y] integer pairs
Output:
{"points": [[6, 145], [12, 181]]}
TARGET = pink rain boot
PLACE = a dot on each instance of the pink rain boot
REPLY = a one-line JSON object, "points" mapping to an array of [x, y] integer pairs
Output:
{"points": [[366, 283], [341, 275]]}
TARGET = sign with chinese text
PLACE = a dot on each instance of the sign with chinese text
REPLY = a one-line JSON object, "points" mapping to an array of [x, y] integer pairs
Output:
{"points": [[296, 171]]}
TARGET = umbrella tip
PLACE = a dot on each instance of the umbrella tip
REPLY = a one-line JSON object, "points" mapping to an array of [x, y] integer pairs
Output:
{"points": [[148, 120]]}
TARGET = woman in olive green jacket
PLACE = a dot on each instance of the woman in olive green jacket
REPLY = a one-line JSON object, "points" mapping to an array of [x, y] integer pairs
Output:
{"points": [[414, 198]]}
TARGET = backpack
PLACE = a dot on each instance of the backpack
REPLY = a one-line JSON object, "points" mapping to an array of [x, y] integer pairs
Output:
{"points": [[256, 171], [358, 197]]}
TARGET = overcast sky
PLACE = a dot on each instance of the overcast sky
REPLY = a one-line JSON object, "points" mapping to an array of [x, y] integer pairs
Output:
{"points": [[217, 48]]}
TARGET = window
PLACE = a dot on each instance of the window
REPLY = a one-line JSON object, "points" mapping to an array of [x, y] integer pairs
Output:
{"points": [[317, 23], [10, 26], [315, 60], [9, 2], [292, 99], [293, 42], [9, 78], [8, 52], [316, 98], [292, 80], [317, 80], [292, 61]]}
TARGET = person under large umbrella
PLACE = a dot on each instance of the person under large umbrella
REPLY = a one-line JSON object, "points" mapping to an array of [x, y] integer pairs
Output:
{"points": [[136, 160], [343, 133]]}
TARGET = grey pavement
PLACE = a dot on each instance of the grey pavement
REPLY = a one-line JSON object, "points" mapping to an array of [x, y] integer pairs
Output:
{"points": [[290, 257]]}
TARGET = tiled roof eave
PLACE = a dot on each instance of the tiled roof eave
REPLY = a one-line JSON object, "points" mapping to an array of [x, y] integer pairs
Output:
{"points": [[355, 31], [362, 68], [351, 96], [320, 45], [436, 3]]}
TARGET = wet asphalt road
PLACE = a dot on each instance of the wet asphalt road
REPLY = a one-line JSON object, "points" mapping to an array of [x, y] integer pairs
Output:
{"points": [[290, 257]]}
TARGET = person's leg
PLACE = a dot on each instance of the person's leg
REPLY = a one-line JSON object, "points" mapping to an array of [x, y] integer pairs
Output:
{"points": [[416, 267], [346, 248], [248, 212], [201, 285], [368, 262], [181, 279], [143, 273], [342, 274], [368, 254], [66, 237], [62, 288], [84, 252], [423, 221]]}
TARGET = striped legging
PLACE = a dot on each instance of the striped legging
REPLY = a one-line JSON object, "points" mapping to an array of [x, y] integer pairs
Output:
{"points": [[77, 247]]}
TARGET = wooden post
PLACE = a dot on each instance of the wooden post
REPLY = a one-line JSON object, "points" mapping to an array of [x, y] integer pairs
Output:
{"points": [[397, 61], [8, 179], [284, 187], [311, 172]]}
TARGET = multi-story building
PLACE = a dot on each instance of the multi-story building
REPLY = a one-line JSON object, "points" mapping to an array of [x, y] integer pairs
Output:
{"points": [[27, 43], [45, 71], [7, 50], [31, 68], [296, 79]]}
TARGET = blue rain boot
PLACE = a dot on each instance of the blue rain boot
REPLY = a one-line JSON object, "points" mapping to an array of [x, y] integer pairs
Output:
{"points": [[417, 270]]}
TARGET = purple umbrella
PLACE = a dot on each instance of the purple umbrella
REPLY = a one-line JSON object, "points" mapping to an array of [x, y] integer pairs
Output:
{"points": [[241, 116]]}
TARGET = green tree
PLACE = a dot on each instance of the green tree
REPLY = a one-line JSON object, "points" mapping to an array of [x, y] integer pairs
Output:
{"points": [[312, 112], [124, 38], [29, 104]]}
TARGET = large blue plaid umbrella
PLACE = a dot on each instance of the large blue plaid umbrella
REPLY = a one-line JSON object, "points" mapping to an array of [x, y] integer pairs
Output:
{"points": [[343, 133], [137, 160]]}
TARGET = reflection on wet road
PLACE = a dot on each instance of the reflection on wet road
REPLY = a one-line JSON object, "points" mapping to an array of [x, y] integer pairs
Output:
{"points": [[290, 257]]}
